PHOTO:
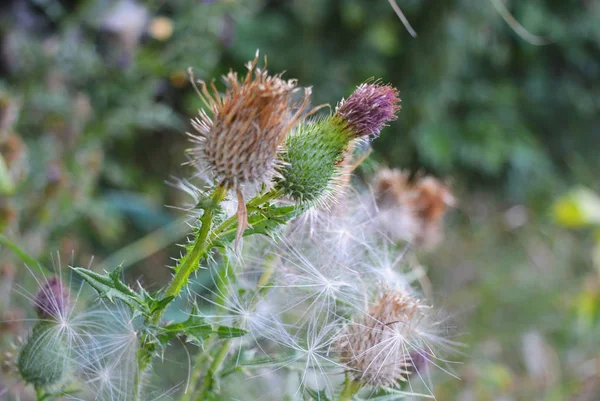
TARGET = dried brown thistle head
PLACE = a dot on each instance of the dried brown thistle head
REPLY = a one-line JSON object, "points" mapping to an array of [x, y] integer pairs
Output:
{"points": [[377, 347], [419, 204], [239, 142]]}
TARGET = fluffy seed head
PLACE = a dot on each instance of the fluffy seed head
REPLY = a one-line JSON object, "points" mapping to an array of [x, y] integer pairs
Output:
{"points": [[51, 300], [240, 142], [369, 108], [377, 347]]}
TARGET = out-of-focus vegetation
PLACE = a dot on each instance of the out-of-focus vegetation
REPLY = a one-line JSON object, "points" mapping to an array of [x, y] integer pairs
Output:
{"points": [[95, 100]]}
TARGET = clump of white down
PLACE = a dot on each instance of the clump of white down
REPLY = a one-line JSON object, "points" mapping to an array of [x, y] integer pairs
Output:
{"points": [[326, 276]]}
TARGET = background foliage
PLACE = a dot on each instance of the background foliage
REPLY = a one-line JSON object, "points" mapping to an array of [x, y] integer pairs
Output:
{"points": [[94, 102]]}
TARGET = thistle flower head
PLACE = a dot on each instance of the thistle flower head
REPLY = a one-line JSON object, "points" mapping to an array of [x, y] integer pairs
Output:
{"points": [[377, 347], [51, 300], [67, 341], [240, 142], [411, 210], [369, 108], [312, 160], [43, 360]]}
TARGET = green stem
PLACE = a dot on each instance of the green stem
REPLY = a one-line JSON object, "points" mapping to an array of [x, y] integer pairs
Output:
{"points": [[191, 262], [215, 366], [202, 243], [198, 368], [137, 383], [193, 257], [270, 263], [351, 387], [40, 395], [182, 275], [259, 200]]}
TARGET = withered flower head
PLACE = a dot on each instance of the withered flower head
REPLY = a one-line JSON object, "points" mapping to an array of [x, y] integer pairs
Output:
{"points": [[51, 300], [412, 210], [377, 347], [369, 108], [240, 141]]}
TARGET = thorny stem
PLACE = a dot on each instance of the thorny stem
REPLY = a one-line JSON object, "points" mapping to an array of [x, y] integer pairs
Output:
{"points": [[351, 387], [192, 258], [209, 379], [203, 242], [198, 367], [137, 382], [179, 280]]}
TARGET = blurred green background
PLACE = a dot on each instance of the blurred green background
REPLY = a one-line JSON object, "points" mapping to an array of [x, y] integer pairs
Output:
{"points": [[95, 101]]}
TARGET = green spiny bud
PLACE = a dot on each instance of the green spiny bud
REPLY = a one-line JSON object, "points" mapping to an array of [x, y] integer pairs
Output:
{"points": [[312, 159], [43, 360]]}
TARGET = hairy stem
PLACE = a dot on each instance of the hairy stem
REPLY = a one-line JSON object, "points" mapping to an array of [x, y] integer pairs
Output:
{"points": [[191, 262], [137, 383], [200, 247], [215, 366], [351, 387], [198, 368], [202, 243]]}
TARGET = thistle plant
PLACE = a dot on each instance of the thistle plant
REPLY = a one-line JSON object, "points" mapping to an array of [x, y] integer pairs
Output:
{"points": [[317, 296]]}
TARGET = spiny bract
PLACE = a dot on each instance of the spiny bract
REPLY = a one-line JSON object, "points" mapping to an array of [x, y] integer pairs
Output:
{"points": [[43, 360], [311, 160]]}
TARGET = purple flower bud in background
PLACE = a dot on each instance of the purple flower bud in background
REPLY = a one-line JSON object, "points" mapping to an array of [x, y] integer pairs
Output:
{"points": [[369, 108], [51, 300], [418, 362]]}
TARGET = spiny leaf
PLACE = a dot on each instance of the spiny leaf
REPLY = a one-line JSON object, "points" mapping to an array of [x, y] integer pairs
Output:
{"points": [[263, 221], [111, 287], [157, 305], [196, 329], [230, 332]]}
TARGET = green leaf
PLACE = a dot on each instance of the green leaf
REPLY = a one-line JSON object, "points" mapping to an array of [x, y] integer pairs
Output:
{"points": [[157, 305], [196, 329], [317, 395], [111, 287], [28, 260], [264, 221], [230, 332]]}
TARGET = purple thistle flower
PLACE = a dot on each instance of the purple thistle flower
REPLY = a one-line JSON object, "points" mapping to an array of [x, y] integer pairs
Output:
{"points": [[51, 300], [369, 108]]}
